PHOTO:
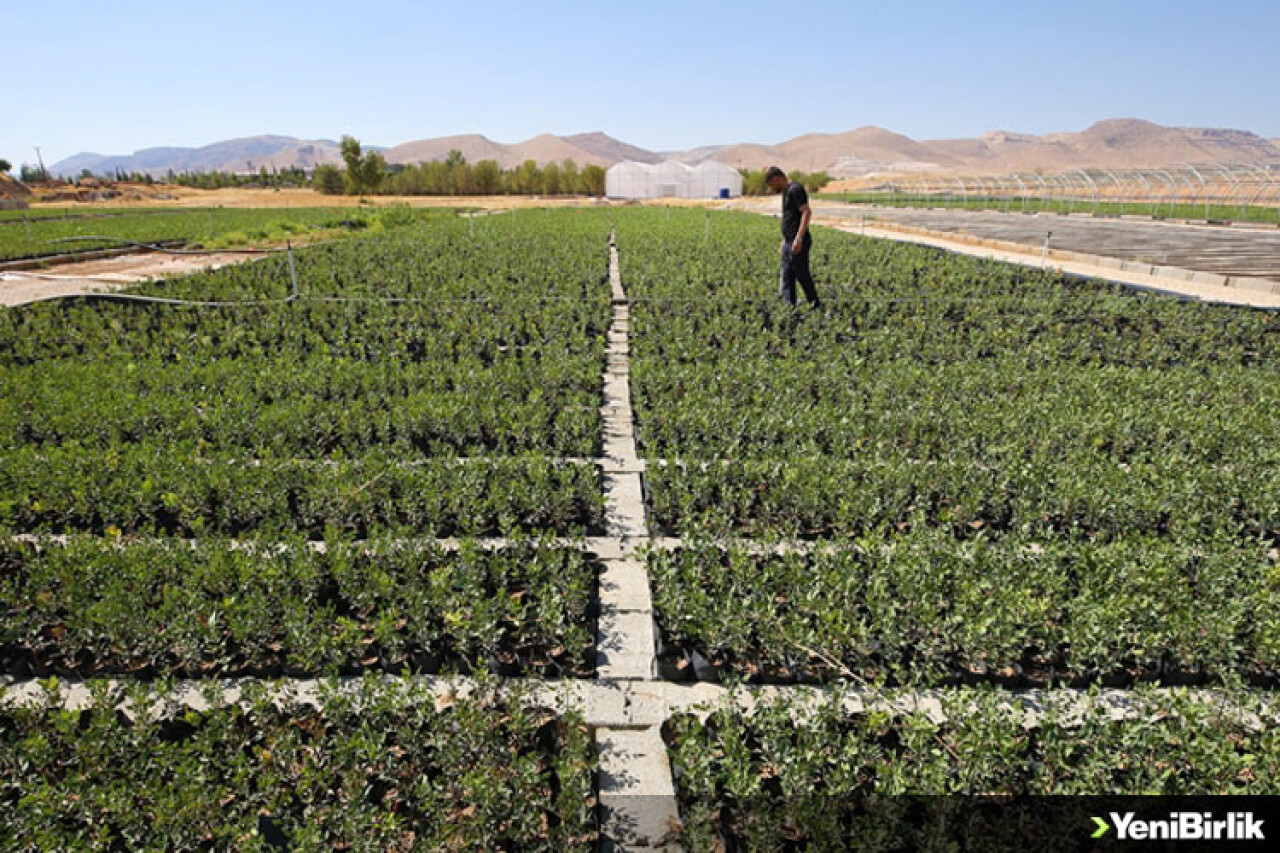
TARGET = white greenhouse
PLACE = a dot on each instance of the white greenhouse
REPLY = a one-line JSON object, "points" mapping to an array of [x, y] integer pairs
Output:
{"points": [[629, 179]]}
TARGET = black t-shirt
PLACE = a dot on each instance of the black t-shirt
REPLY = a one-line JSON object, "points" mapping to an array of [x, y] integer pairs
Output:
{"points": [[793, 198]]}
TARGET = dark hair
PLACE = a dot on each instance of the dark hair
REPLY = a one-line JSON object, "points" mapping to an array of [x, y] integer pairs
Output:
{"points": [[774, 172]]}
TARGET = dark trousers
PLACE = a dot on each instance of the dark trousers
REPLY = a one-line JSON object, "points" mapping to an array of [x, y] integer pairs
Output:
{"points": [[796, 268]]}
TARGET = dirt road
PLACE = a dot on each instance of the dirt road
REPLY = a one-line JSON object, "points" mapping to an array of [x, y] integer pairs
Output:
{"points": [[19, 288]]}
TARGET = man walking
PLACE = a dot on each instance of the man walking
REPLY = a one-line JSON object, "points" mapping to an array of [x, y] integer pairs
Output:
{"points": [[796, 239]]}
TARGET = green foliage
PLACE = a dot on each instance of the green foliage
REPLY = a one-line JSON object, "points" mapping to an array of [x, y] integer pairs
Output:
{"points": [[455, 176], [1021, 481], [365, 172], [826, 779], [1028, 481], [593, 180], [32, 174], [164, 608], [486, 177], [921, 608], [939, 390], [372, 767], [293, 418], [198, 227], [276, 178], [328, 179], [163, 490], [753, 182]]}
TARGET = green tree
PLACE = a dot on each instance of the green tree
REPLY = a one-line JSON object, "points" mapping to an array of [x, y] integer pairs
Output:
{"points": [[570, 178], [457, 172], [753, 182], [30, 174], [5, 166], [487, 177], [527, 179], [353, 158], [551, 179], [593, 179], [373, 171], [435, 177], [365, 172], [816, 181], [328, 179]]}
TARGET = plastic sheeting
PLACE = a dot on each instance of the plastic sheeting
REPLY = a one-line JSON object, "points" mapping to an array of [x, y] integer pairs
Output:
{"points": [[671, 180]]}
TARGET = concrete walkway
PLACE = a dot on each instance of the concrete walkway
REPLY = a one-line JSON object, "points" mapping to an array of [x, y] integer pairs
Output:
{"points": [[637, 794]]}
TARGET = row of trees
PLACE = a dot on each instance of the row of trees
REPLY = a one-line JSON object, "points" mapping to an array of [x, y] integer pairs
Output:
{"points": [[365, 173], [288, 177], [753, 181], [292, 176], [369, 173]]}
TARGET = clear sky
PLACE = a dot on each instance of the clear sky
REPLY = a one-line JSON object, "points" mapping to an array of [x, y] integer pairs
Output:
{"points": [[112, 77]]}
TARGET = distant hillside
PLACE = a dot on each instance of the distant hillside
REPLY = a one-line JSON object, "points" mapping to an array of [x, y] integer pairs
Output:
{"points": [[582, 148], [610, 150], [873, 147], [1115, 143], [234, 155]]}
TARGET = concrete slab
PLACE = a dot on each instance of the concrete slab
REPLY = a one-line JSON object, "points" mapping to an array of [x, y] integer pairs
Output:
{"points": [[645, 704], [606, 548], [618, 464], [624, 587], [618, 454], [624, 505], [625, 645], [637, 797]]}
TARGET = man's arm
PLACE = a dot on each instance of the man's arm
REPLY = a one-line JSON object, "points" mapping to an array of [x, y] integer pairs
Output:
{"points": [[806, 213]]}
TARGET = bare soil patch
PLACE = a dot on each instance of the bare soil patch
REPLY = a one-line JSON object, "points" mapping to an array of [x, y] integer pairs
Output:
{"points": [[106, 274]]}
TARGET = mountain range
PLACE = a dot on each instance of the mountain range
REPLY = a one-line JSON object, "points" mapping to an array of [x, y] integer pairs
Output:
{"points": [[1114, 143]]}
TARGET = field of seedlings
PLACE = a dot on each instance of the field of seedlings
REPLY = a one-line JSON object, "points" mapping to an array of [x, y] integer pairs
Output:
{"points": [[262, 490], [958, 476], [35, 234], [968, 529]]}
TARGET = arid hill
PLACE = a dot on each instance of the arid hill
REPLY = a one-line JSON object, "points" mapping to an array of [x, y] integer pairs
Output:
{"points": [[582, 148], [233, 155], [1116, 143]]}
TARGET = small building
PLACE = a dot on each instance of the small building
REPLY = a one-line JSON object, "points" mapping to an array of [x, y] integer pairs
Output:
{"points": [[631, 180]]}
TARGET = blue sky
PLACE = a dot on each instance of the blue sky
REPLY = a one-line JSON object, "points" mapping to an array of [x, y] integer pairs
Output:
{"points": [[115, 77]]}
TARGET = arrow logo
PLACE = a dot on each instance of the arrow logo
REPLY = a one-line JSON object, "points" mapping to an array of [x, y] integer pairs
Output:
{"points": [[1102, 828]]}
